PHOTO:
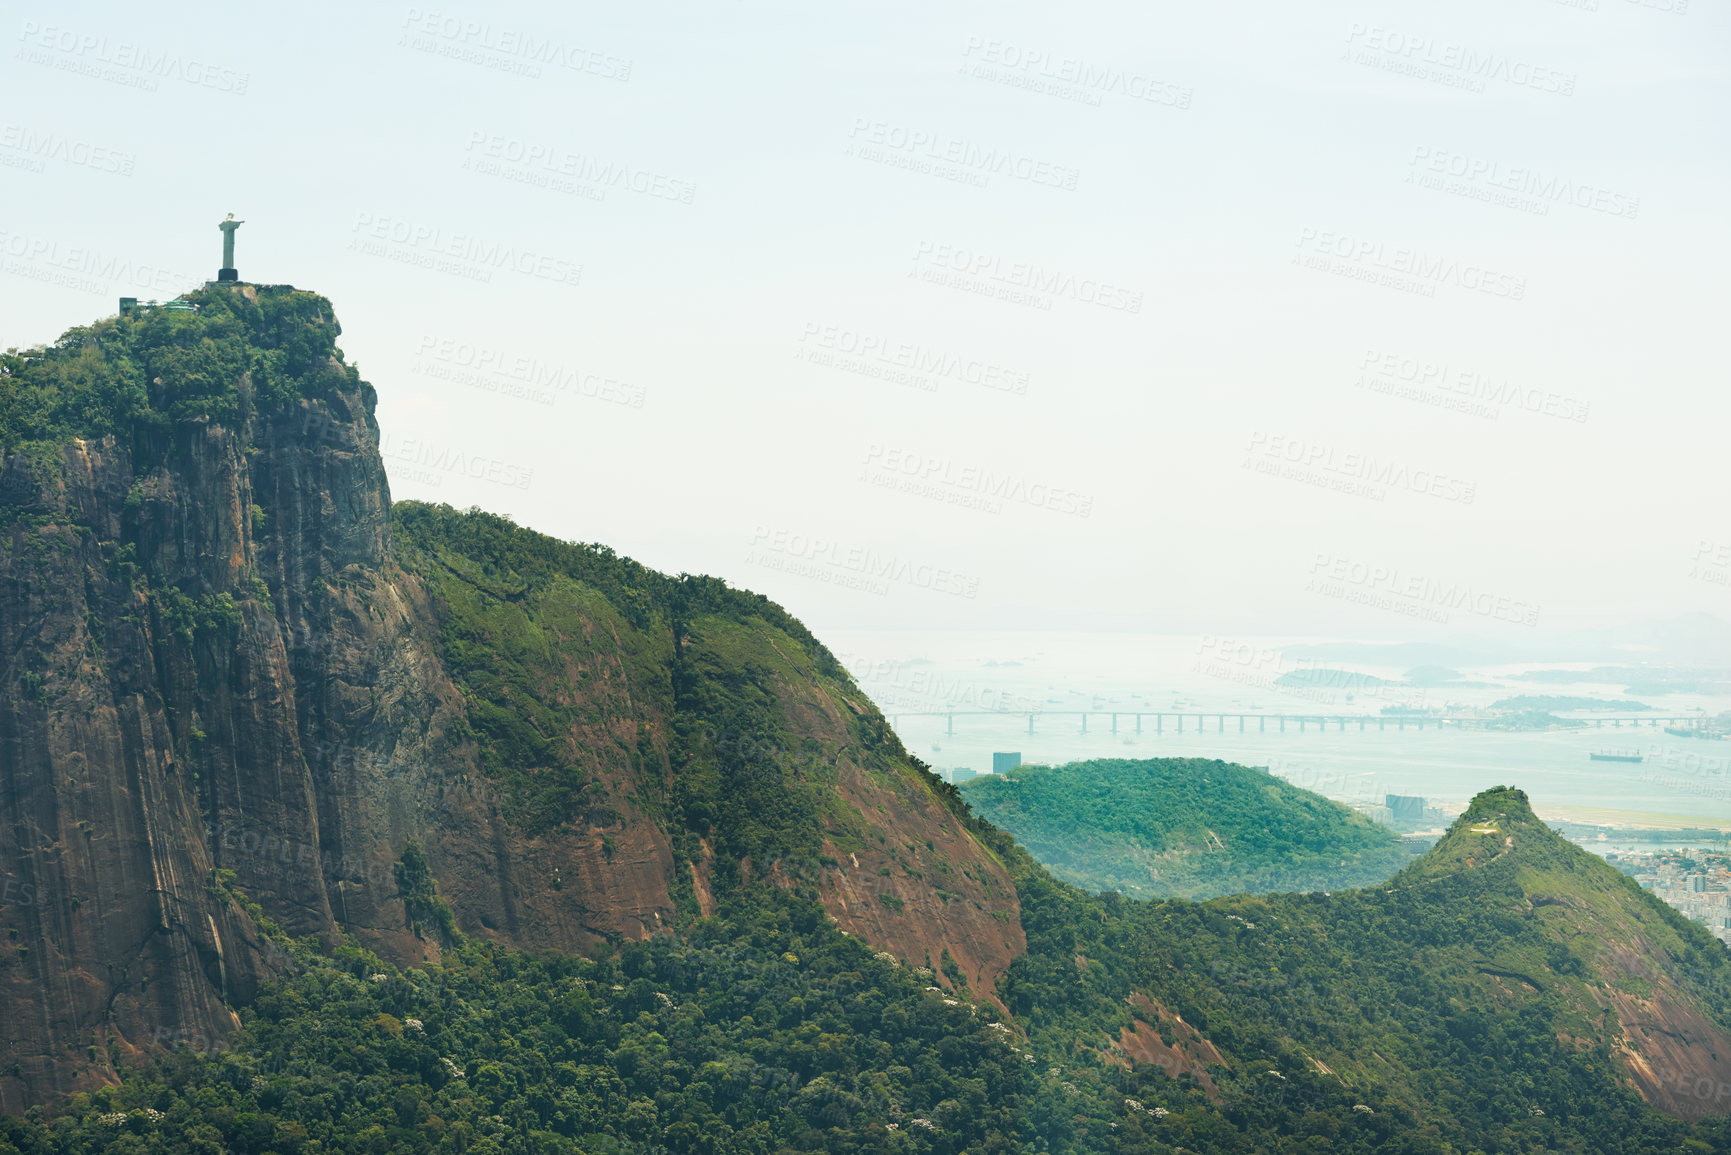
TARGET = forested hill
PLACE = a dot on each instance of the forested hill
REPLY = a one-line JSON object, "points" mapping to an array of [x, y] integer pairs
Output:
{"points": [[224, 649], [1185, 827], [1506, 994], [332, 826]]}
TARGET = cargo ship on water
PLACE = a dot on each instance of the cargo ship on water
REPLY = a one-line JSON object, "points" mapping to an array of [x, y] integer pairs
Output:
{"points": [[1609, 756], [1695, 730]]}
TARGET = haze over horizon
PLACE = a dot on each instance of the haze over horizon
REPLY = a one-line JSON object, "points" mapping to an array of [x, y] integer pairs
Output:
{"points": [[1220, 627], [714, 206]]}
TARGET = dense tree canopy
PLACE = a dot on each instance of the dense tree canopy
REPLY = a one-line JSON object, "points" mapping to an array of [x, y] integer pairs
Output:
{"points": [[1183, 827], [1456, 1006], [135, 374], [1368, 1021]]}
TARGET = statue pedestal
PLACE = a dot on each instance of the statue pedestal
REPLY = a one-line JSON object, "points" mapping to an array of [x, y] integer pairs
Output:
{"points": [[228, 274]]}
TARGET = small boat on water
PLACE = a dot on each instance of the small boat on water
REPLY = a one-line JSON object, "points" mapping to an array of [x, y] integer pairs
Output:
{"points": [[1607, 756]]}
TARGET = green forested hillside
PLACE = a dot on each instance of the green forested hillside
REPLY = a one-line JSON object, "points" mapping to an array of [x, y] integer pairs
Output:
{"points": [[1508, 992], [1370, 1021], [1183, 827], [519, 611], [138, 374], [761, 1030]]}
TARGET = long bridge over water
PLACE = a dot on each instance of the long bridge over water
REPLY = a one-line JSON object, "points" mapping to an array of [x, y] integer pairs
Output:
{"points": [[1321, 722]]}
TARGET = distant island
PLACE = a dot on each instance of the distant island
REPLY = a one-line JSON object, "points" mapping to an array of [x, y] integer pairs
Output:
{"points": [[1325, 678], [1419, 677], [1635, 679], [1549, 702], [1438, 677]]}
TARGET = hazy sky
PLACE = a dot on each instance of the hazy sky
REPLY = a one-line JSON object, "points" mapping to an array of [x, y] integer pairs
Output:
{"points": [[1268, 317]]}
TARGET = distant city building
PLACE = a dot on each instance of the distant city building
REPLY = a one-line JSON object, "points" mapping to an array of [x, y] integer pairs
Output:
{"points": [[1417, 845], [959, 774], [1405, 807], [1004, 763], [1697, 894], [1375, 813]]}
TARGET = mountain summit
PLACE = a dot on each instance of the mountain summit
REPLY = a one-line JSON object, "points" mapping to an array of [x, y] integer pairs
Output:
{"points": [[1584, 936], [351, 783], [231, 663]]}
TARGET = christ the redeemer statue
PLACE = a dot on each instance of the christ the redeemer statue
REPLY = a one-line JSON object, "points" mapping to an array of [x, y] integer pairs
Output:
{"points": [[227, 272]]}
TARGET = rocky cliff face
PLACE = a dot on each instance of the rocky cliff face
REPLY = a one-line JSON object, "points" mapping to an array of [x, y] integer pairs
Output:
{"points": [[220, 677]]}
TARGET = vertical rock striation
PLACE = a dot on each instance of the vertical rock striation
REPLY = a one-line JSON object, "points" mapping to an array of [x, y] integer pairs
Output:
{"points": [[221, 682]]}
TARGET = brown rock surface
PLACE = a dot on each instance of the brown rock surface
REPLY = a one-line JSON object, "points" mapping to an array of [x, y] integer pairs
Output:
{"points": [[1677, 1057], [1189, 1053], [219, 662]]}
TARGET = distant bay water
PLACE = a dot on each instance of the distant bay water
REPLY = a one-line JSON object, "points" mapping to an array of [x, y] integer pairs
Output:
{"points": [[1009, 674]]}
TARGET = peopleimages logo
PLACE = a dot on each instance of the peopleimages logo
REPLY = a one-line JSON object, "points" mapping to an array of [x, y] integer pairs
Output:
{"points": [[1470, 384], [1374, 256], [881, 140], [922, 361], [87, 270], [444, 459], [1268, 669], [905, 684], [548, 377], [415, 243], [1088, 79], [1517, 180], [539, 159], [1254, 666], [1360, 467], [1691, 762], [1712, 562], [472, 41], [15, 892], [1716, 553], [98, 57], [944, 473], [1445, 62], [52, 146], [289, 857], [1387, 587], [866, 563], [1025, 276]]}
